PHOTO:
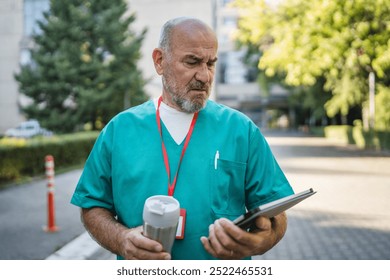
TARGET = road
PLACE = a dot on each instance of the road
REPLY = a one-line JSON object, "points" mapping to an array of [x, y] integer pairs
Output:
{"points": [[23, 217], [347, 219]]}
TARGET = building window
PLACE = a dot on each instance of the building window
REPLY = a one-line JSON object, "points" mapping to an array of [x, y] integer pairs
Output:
{"points": [[226, 2], [230, 22], [25, 57], [33, 11]]}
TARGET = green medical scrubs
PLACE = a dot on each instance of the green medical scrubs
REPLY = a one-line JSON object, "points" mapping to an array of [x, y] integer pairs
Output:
{"points": [[126, 167]]}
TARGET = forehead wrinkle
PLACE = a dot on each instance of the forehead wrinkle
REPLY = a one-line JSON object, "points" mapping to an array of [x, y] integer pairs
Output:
{"points": [[193, 33]]}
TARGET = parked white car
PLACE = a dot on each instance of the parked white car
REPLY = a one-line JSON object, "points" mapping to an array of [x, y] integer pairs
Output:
{"points": [[27, 129]]}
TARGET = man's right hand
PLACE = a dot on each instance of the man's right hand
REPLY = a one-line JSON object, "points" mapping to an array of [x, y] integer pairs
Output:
{"points": [[131, 244], [135, 246]]}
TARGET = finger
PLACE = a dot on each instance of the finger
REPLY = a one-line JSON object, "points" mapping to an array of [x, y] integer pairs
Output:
{"points": [[142, 248], [143, 242], [249, 243], [240, 240], [223, 237], [207, 246], [141, 254], [222, 244], [234, 232], [263, 223]]}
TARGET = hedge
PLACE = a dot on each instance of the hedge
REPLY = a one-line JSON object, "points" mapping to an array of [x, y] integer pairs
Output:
{"points": [[26, 158], [341, 133], [371, 139]]}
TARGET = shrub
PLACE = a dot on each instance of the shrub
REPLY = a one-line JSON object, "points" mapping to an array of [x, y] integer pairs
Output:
{"points": [[371, 139], [26, 158], [342, 133]]}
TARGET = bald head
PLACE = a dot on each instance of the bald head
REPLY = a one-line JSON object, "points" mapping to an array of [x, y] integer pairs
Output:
{"points": [[186, 59], [178, 28]]}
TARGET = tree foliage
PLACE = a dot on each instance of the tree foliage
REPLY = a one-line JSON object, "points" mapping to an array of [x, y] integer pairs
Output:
{"points": [[83, 64], [340, 41]]}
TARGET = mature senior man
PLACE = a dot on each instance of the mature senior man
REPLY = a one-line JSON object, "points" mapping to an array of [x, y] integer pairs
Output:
{"points": [[212, 159]]}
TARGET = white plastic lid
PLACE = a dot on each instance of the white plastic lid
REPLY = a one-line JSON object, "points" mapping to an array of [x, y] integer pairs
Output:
{"points": [[161, 211]]}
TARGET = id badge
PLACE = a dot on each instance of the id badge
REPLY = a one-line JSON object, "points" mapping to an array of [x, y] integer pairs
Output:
{"points": [[182, 223]]}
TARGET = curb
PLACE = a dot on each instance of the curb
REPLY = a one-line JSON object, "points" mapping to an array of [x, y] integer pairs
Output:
{"points": [[81, 248]]}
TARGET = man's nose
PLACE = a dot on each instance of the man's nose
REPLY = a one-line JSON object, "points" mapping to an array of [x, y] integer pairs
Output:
{"points": [[203, 74]]}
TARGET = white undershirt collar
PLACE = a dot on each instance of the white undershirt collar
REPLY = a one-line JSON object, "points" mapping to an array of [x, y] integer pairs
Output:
{"points": [[175, 121]]}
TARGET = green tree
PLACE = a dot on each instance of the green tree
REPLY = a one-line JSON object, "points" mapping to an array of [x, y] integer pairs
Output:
{"points": [[340, 41], [84, 65]]}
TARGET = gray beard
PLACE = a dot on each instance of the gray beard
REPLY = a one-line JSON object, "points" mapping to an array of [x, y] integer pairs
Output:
{"points": [[185, 105], [188, 106]]}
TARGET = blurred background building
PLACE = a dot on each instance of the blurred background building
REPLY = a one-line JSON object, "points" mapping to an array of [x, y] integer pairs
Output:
{"points": [[11, 33], [234, 84]]}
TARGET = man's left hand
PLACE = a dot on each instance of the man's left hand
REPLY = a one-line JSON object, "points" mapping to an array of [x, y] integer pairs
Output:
{"points": [[228, 241]]}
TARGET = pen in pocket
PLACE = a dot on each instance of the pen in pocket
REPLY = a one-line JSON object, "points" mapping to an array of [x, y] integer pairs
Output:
{"points": [[216, 160]]}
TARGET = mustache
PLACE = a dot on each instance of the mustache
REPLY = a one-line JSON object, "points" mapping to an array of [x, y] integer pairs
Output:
{"points": [[198, 85]]}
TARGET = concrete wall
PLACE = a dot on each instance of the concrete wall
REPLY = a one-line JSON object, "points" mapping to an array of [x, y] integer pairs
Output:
{"points": [[11, 31]]}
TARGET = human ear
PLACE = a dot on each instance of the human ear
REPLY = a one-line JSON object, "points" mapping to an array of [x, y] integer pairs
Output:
{"points": [[157, 59]]}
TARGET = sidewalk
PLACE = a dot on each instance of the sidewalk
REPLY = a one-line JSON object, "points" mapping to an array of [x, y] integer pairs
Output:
{"points": [[82, 248], [23, 217], [348, 219]]}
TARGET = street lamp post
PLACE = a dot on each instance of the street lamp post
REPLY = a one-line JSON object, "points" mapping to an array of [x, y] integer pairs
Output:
{"points": [[371, 84]]}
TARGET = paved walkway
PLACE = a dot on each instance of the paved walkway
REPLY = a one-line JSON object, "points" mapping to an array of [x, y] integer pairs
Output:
{"points": [[348, 219]]}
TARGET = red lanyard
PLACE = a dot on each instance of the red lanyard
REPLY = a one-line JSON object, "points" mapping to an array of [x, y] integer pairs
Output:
{"points": [[171, 187]]}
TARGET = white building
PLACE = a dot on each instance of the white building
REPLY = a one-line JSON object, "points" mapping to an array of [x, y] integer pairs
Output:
{"points": [[11, 31], [17, 22]]}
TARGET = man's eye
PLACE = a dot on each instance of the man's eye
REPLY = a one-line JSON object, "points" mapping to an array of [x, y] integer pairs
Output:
{"points": [[211, 64], [192, 62]]}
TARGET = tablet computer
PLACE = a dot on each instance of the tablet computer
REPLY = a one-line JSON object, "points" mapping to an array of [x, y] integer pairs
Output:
{"points": [[272, 209]]}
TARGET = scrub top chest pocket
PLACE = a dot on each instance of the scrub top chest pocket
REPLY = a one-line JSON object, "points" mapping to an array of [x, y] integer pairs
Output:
{"points": [[227, 187]]}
